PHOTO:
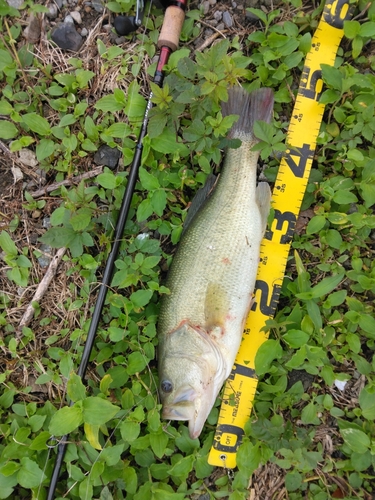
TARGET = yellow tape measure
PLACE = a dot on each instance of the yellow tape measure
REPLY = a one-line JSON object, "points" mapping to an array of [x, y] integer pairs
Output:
{"points": [[288, 193]]}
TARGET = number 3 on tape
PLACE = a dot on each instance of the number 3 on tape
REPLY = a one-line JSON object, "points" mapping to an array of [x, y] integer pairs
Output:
{"points": [[288, 193]]}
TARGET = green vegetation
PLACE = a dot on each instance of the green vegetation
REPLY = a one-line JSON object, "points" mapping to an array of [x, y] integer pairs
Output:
{"points": [[318, 439]]}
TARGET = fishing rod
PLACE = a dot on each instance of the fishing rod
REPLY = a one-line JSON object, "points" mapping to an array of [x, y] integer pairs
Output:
{"points": [[167, 43]]}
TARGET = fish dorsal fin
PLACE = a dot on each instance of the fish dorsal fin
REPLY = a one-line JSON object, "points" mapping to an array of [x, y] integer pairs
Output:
{"points": [[263, 199], [201, 196], [216, 307]]}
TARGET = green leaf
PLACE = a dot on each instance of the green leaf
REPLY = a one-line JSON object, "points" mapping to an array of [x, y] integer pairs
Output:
{"points": [[30, 475], [144, 210], [263, 131], [316, 224], [266, 353], [45, 148], [367, 29], [367, 403], [183, 467], [356, 439], [141, 297], [7, 244], [326, 285], [130, 431], [148, 181], [136, 363], [37, 123], [367, 323], [109, 103], [75, 387], [7, 130], [293, 481], [351, 29], [98, 411], [296, 338], [112, 454], [159, 201], [66, 420], [159, 443], [81, 219]]}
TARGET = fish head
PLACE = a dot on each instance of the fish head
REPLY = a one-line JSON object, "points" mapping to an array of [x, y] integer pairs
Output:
{"points": [[191, 372]]}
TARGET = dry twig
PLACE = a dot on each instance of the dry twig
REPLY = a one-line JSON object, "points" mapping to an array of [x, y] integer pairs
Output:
{"points": [[41, 290]]}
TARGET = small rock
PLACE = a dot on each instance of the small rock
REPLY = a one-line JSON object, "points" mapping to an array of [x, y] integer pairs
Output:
{"points": [[107, 156], [15, 3], [252, 18], [119, 40], [45, 260], [17, 174], [69, 19], [206, 7], [87, 9], [84, 32], [98, 6], [47, 222], [36, 214], [76, 16], [32, 31], [227, 19], [218, 15], [59, 4], [220, 27], [340, 384], [27, 157], [234, 5], [66, 37], [212, 2], [52, 11]]}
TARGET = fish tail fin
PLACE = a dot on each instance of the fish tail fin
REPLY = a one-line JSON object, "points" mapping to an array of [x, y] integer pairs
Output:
{"points": [[250, 107]]}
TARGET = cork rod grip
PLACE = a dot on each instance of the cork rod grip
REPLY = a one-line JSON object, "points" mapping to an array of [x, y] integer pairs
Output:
{"points": [[170, 32]]}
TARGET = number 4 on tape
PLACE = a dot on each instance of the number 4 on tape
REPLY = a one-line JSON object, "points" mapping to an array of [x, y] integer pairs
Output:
{"points": [[288, 194]]}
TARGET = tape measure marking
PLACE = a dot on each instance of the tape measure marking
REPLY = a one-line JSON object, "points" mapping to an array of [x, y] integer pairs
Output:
{"points": [[288, 193]]}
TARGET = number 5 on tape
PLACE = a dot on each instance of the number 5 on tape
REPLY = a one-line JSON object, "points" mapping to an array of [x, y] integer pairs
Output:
{"points": [[288, 194]]}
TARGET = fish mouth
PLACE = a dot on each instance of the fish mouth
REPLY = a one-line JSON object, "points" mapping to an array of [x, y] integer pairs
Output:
{"points": [[188, 405]]}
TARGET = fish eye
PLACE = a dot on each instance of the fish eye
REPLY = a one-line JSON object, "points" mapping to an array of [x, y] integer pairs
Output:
{"points": [[166, 386]]}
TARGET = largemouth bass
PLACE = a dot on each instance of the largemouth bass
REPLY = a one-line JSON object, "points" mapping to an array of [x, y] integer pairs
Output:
{"points": [[212, 276]]}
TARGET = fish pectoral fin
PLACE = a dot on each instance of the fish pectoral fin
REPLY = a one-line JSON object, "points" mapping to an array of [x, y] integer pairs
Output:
{"points": [[216, 306], [263, 200]]}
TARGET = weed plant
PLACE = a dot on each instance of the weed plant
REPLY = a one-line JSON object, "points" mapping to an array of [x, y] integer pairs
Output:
{"points": [[312, 433]]}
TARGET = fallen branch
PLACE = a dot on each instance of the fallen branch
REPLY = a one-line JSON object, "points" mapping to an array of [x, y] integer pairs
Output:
{"points": [[67, 182], [41, 290]]}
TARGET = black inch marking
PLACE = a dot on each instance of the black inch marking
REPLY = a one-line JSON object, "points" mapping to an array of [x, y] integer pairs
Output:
{"points": [[280, 218], [297, 159], [311, 85], [267, 305], [242, 370], [336, 12]]}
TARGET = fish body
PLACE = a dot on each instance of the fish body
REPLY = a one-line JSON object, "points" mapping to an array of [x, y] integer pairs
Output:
{"points": [[212, 276]]}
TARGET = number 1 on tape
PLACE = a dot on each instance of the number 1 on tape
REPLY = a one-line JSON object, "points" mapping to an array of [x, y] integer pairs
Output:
{"points": [[288, 193]]}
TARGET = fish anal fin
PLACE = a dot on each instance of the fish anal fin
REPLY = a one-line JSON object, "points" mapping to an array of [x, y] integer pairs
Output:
{"points": [[263, 200]]}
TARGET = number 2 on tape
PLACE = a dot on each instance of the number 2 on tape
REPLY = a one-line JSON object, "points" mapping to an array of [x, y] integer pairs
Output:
{"points": [[288, 193]]}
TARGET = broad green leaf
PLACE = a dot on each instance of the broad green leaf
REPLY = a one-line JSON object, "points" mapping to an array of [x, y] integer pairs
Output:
{"points": [[75, 387], [316, 224], [107, 180], [98, 411], [112, 454], [159, 201], [149, 181], [66, 420], [367, 403], [8, 130], [30, 475], [293, 481], [296, 338], [183, 467], [131, 480], [109, 103], [81, 219], [130, 431], [356, 439], [7, 244], [351, 29], [159, 443], [267, 352], [141, 297], [248, 457], [144, 210], [37, 123], [45, 148], [136, 363], [92, 435], [326, 285]]}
